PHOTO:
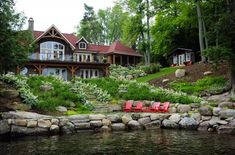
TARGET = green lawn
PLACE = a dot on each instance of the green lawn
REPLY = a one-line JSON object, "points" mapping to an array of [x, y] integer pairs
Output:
{"points": [[163, 71]]}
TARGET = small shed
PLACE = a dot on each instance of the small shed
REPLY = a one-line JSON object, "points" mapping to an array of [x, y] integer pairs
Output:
{"points": [[180, 56]]}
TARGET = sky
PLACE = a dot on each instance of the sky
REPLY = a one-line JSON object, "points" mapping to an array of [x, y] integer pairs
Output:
{"points": [[64, 14]]}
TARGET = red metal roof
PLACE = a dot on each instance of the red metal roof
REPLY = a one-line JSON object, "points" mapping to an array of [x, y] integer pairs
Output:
{"points": [[98, 48], [117, 47]]}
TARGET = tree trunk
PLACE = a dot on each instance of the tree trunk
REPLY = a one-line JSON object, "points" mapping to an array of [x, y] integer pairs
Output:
{"points": [[232, 78], [204, 34], [200, 29], [148, 35]]}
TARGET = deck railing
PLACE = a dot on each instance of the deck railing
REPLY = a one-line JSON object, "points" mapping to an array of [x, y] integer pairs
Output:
{"points": [[64, 58]]}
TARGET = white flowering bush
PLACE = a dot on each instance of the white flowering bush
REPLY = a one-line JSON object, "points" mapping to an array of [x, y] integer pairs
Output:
{"points": [[90, 89], [20, 82], [120, 72]]}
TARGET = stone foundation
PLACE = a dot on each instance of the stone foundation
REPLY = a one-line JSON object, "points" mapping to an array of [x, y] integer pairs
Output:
{"points": [[26, 123]]}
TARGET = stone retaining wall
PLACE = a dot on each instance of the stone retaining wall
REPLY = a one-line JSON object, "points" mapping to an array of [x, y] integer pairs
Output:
{"points": [[26, 123]]}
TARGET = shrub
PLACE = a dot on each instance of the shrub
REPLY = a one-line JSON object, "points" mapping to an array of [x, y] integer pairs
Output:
{"points": [[20, 82], [207, 84], [153, 68], [120, 72]]}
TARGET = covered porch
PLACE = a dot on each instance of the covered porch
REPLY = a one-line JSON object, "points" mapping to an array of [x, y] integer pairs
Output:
{"points": [[123, 60], [65, 70]]}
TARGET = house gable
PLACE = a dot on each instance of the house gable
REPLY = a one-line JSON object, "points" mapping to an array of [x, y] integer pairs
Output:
{"points": [[82, 44], [54, 33]]}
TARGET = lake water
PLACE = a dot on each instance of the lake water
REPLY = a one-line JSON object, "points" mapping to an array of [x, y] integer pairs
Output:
{"points": [[162, 142]]}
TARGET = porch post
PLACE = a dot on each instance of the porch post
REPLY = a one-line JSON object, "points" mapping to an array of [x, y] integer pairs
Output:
{"points": [[40, 69], [17, 70], [121, 60], [127, 60], [114, 59]]}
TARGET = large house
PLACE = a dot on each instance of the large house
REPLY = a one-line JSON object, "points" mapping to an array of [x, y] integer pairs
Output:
{"points": [[66, 55]]}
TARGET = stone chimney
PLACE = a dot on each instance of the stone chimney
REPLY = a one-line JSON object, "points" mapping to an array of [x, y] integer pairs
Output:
{"points": [[31, 24]]}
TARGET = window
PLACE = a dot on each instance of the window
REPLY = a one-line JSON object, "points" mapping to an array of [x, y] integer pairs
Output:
{"points": [[82, 57], [88, 73], [51, 50], [82, 45]]}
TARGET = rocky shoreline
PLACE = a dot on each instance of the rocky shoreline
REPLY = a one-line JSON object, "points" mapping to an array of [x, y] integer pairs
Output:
{"points": [[206, 119]]}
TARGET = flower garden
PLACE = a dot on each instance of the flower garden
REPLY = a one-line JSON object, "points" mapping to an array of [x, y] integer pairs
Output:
{"points": [[45, 93]]}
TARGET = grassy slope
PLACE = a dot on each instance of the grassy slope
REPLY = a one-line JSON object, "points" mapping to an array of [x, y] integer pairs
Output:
{"points": [[163, 71]]}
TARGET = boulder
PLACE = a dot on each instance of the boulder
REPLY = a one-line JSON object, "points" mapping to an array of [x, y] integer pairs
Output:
{"points": [[180, 73], [196, 116], [142, 115], [114, 118], [78, 117], [195, 105], [82, 126], [20, 122], [106, 122], [165, 80], [169, 124], [118, 126], [223, 114], [134, 125], [206, 118], [205, 111], [207, 73], [175, 118], [23, 115], [222, 122], [126, 118], [223, 129], [153, 125], [129, 77], [183, 108], [32, 123], [214, 120], [216, 111], [203, 126], [144, 120], [105, 129], [172, 110], [9, 93], [68, 128], [20, 130], [63, 121], [19, 106], [135, 116], [188, 123], [204, 103], [61, 109], [232, 123], [54, 121], [114, 108], [96, 124], [226, 105], [96, 117], [44, 123], [54, 128], [46, 87], [160, 117], [4, 127]]}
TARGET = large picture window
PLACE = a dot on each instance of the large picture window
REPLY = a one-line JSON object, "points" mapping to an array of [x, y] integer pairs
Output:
{"points": [[51, 50]]}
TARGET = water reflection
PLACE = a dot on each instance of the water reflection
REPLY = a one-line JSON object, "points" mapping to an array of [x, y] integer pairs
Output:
{"points": [[160, 142]]}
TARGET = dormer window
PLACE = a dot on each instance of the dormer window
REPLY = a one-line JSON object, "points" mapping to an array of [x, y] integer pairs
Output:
{"points": [[82, 45]]}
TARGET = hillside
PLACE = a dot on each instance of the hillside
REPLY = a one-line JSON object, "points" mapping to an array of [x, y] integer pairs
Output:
{"points": [[193, 73]]}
